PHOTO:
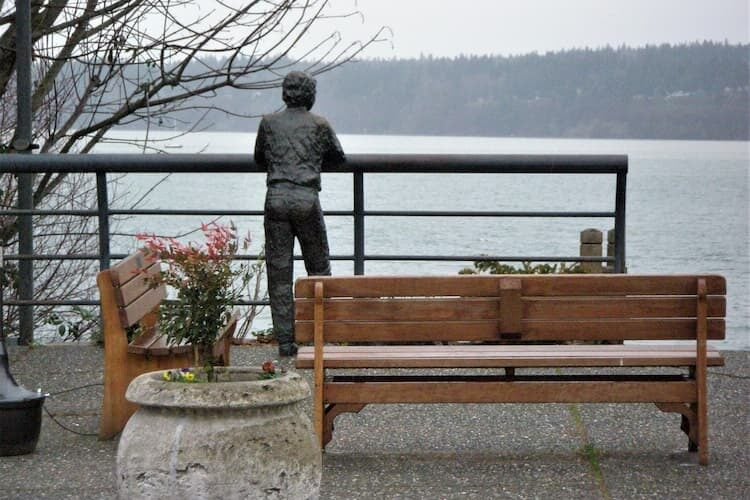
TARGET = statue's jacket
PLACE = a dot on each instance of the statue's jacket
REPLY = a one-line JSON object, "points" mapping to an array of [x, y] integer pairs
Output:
{"points": [[294, 144]]}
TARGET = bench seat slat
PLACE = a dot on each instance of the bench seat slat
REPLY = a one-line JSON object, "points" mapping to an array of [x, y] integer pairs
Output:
{"points": [[484, 356], [143, 342], [160, 347], [155, 344]]}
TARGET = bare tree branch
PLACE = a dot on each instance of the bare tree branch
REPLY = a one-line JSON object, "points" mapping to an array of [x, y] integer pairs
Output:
{"points": [[103, 63]]}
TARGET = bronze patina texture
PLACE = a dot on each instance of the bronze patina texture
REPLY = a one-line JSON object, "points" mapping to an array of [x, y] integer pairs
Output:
{"points": [[293, 145]]}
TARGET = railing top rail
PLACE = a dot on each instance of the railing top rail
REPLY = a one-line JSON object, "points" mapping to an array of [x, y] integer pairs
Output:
{"points": [[373, 163], [356, 165]]}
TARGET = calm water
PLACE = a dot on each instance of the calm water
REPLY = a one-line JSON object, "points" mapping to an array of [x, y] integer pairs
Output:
{"points": [[687, 206]]}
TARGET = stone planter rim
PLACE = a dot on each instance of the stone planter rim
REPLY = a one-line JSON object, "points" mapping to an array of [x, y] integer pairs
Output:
{"points": [[151, 390]]}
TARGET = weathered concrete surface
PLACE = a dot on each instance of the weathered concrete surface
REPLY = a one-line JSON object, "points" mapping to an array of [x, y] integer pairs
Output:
{"points": [[429, 451], [245, 439]]}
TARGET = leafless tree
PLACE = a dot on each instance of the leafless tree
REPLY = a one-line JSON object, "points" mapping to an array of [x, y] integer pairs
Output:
{"points": [[103, 63]]}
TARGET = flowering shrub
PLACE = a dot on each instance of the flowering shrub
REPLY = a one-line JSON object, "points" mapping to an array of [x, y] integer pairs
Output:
{"points": [[207, 285]]}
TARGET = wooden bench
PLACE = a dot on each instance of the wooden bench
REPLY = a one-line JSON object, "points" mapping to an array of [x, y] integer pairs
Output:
{"points": [[486, 322], [128, 301]]}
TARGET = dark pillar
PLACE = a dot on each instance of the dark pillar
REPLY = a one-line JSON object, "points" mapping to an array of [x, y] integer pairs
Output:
{"points": [[22, 144]]}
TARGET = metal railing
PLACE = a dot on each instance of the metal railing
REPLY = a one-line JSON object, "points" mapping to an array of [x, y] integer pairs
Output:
{"points": [[358, 166]]}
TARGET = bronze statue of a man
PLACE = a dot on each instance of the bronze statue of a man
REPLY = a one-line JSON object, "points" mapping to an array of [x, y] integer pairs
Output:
{"points": [[293, 145]]}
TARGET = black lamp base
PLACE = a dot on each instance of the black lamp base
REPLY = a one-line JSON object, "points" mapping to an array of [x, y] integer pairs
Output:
{"points": [[20, 411], [20, 423]]}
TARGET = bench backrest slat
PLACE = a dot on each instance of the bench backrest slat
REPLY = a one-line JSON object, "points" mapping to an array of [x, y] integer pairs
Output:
{"points": [[128, 268], [469, 308], [146, 303], [138, 285], [487, 285], [134, 294], [486, 331]]}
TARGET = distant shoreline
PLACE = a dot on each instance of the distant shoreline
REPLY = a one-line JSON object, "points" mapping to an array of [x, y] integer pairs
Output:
{"points": [[696, 91]]}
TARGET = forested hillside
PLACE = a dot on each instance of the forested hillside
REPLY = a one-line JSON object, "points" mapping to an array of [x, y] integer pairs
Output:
{"points": [[695, 91]]}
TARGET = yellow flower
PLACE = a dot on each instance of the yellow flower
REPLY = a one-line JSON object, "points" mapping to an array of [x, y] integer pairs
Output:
{"points": [[167, 376], [189, 377]]}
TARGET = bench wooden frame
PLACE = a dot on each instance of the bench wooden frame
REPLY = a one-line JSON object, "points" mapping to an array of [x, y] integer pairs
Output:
{"points": [[480, 322], [128, 299]]}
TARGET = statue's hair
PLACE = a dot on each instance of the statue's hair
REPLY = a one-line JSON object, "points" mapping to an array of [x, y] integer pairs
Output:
{"points": [[298, 89]]}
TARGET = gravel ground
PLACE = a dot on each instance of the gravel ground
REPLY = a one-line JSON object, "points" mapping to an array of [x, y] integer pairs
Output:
{"points": [[423, 451]]}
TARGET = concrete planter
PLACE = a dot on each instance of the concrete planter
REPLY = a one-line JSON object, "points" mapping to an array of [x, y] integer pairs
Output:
{"points": [[240, 437]]}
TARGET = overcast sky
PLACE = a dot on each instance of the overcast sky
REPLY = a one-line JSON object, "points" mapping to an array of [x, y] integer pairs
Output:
{"points": [[450, 28]]}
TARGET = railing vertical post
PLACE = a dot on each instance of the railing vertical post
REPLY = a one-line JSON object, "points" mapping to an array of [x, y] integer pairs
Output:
{"points": [[620, 221], [359, 222], [26, 265], [22, 144], [102, 204]]}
